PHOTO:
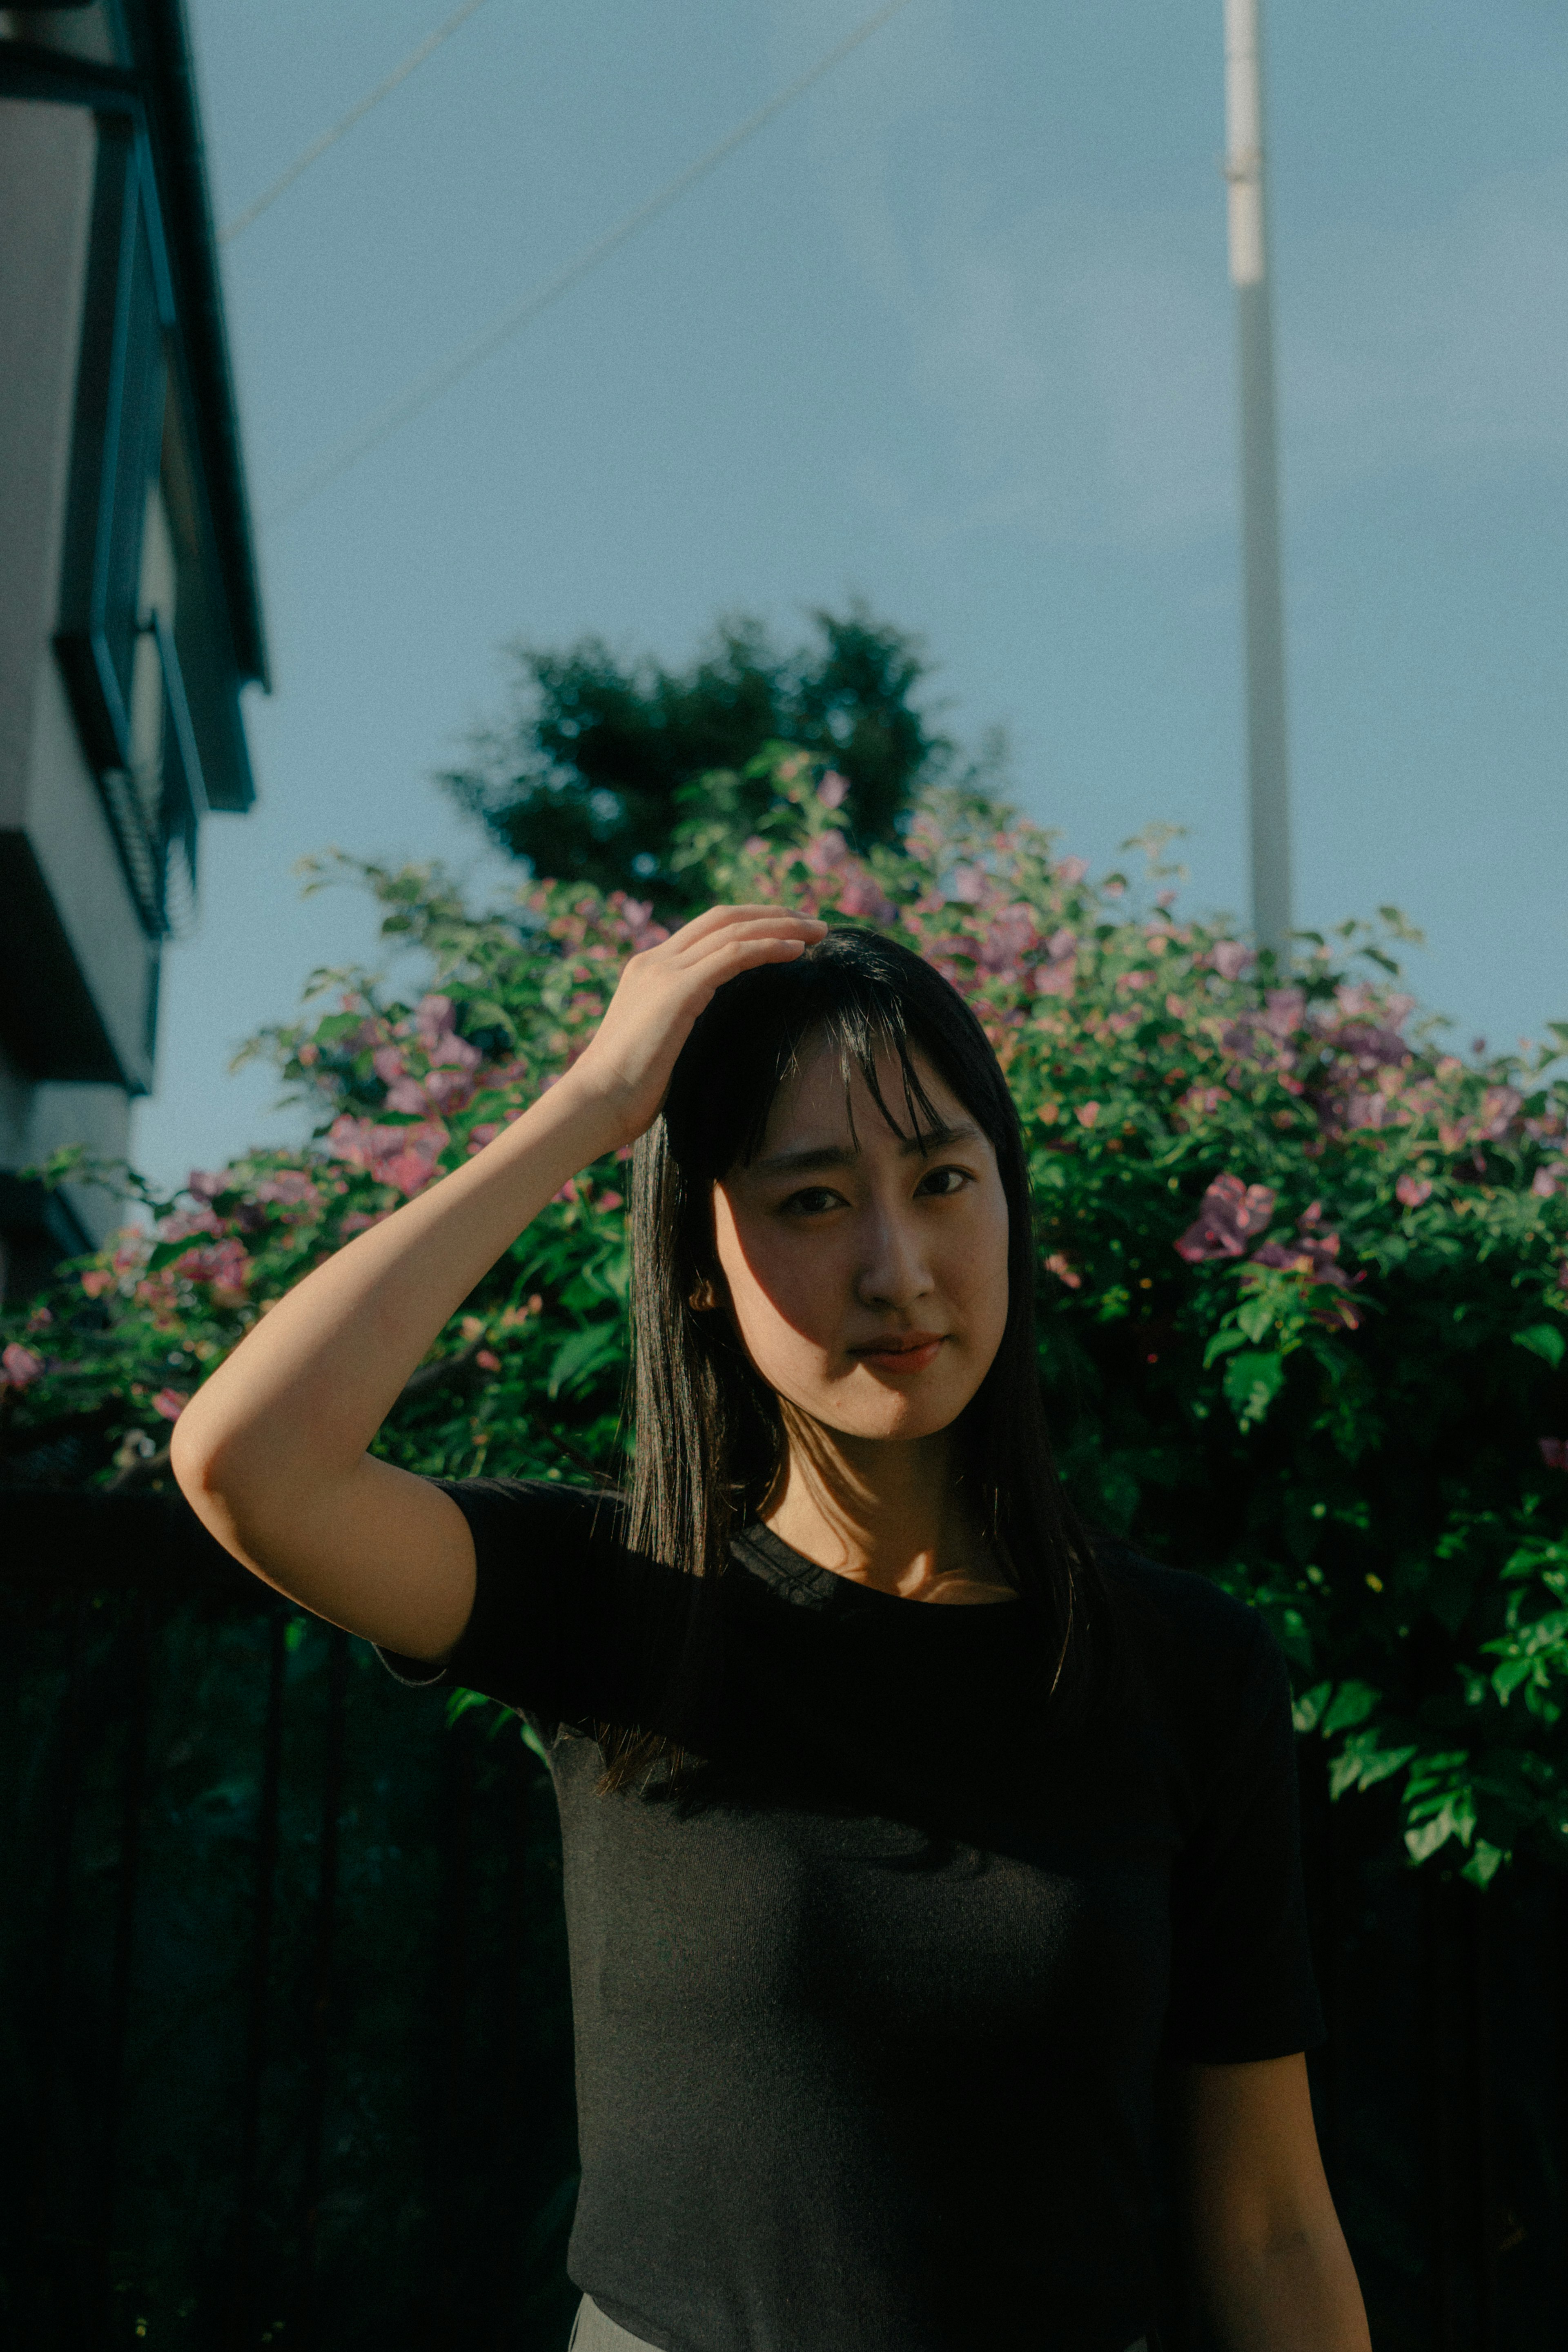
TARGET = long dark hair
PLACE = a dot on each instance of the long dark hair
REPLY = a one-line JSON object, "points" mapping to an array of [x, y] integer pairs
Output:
{"points": [[710, 1441]]}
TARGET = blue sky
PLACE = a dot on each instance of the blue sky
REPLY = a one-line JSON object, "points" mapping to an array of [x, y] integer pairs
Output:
{"points": [[953, 333]]}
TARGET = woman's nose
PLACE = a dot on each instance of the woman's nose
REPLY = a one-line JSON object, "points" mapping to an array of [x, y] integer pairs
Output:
{"points": [[893, 1269]]}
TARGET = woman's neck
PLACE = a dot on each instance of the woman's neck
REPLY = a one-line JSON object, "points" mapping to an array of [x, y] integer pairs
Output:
{"points": [[884, 1512]]}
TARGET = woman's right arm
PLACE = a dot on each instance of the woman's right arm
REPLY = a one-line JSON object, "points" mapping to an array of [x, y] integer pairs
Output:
{"points": [[271, 1451]]}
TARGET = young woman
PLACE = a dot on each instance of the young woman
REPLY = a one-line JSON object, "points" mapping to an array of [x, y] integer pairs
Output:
{"points": [[905, 1834]]}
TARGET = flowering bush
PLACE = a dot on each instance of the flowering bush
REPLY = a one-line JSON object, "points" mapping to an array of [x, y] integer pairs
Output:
{"points": [[1305, 1274]]}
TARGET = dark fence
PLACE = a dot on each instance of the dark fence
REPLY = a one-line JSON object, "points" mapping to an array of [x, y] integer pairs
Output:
{"points": [[286, 2039]]}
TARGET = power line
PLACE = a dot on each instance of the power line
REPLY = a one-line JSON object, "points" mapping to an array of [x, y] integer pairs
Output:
{"points": [[419, 395], [415, 57]]}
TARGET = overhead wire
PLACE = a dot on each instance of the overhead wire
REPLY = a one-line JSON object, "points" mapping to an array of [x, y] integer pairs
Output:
{"points": [[318, 147], [385, 421]]}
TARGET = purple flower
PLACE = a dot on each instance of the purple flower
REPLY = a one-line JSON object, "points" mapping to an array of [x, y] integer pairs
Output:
{"points": [[1228, 1215]]}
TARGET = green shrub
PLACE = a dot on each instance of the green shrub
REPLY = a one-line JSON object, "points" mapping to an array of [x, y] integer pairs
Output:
{"points": [[1305, 1272]]}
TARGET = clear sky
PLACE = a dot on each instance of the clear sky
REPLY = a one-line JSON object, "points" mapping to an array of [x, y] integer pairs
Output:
{"points": [[954, 333]]}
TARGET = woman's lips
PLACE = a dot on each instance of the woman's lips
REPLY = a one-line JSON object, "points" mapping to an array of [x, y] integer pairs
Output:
{"points": [[911, 1351]]}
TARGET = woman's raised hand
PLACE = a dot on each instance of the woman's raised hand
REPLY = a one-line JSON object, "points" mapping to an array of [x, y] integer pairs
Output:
{"points": [[627, 1062]]}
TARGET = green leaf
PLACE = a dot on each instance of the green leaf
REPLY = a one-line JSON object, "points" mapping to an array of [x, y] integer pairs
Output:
{"points": [[463, 1702], [1352, 1704], [1424, 1840], [1251, 1383], [1254, 1317], [1484, 1864], [1308, 1708], [583, 1355], [1546, 1340]]}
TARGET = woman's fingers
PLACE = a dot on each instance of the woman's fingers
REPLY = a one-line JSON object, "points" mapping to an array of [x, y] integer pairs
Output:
{"points": [[726, 956], [755, 919]]}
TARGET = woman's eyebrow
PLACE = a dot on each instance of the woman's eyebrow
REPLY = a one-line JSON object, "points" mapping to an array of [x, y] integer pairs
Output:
{"points": [[814, 1156]]}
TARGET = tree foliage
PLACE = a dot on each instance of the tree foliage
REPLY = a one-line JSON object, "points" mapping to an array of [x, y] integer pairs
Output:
{"points": [[1305, 1273], [599, 762]]}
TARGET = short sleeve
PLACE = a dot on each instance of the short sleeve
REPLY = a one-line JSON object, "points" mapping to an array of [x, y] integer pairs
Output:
{"points": [[1241, 1971], [568, 1624]]}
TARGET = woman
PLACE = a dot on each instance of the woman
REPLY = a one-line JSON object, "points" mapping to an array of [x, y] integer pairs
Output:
{"points": [[905, 1834]]}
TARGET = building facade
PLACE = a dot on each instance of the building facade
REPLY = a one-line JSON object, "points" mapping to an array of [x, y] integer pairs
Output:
{"points": [[130, 616]]}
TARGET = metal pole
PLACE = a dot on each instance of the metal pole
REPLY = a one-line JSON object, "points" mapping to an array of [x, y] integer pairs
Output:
{"points": [[1267, 780]]}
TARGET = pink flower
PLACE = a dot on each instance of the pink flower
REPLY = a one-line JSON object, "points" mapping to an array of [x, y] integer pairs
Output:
{"points": [[1554, 1451], [1413, 1190], [448, 1090], [171, 1403], [1285, 1011], [637, 913], [1229, 957], [19, 1367], [861, 898], [1087, 1113], [433, 1021], [185, 1222], [1055, 979], [402, 1156], [827, 851], [1545, 1181], [1312, 1252], [488, 1360], [968, 885], [97, 1280], [610, 1200], [832, 789], [205, 1184], [1062, 1268], [389, 1064], [1071, 870], [1060, 944], [754, 845], [290, 1188], [1228, 1215], [1501, 1105], [1132, 980]]}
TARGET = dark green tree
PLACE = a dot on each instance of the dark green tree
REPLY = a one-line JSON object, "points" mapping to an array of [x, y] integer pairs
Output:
{"points": [[598, 761]]}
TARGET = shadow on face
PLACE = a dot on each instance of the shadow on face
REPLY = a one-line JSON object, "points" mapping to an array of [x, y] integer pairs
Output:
{"points": [[866, 1262]]}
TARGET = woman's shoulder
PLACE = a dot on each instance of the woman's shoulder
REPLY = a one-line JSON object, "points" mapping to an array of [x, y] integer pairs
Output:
{"points": [[1184, 1625]]}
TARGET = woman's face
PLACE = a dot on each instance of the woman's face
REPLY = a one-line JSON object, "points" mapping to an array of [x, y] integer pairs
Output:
{"points": [[867, 1275]]}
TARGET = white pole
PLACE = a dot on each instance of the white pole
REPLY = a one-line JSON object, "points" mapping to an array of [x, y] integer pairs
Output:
{"points": [[1268, 777]]}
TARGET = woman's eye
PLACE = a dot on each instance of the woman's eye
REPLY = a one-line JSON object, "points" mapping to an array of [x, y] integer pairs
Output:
{"points": [[812, 1201], [943, 1182]]}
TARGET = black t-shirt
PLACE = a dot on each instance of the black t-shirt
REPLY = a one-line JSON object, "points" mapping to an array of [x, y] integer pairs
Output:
{"points": [[867, 2031]]}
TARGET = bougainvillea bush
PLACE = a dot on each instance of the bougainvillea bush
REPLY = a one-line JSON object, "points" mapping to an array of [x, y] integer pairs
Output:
{"points": [[1305, 1274]]}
